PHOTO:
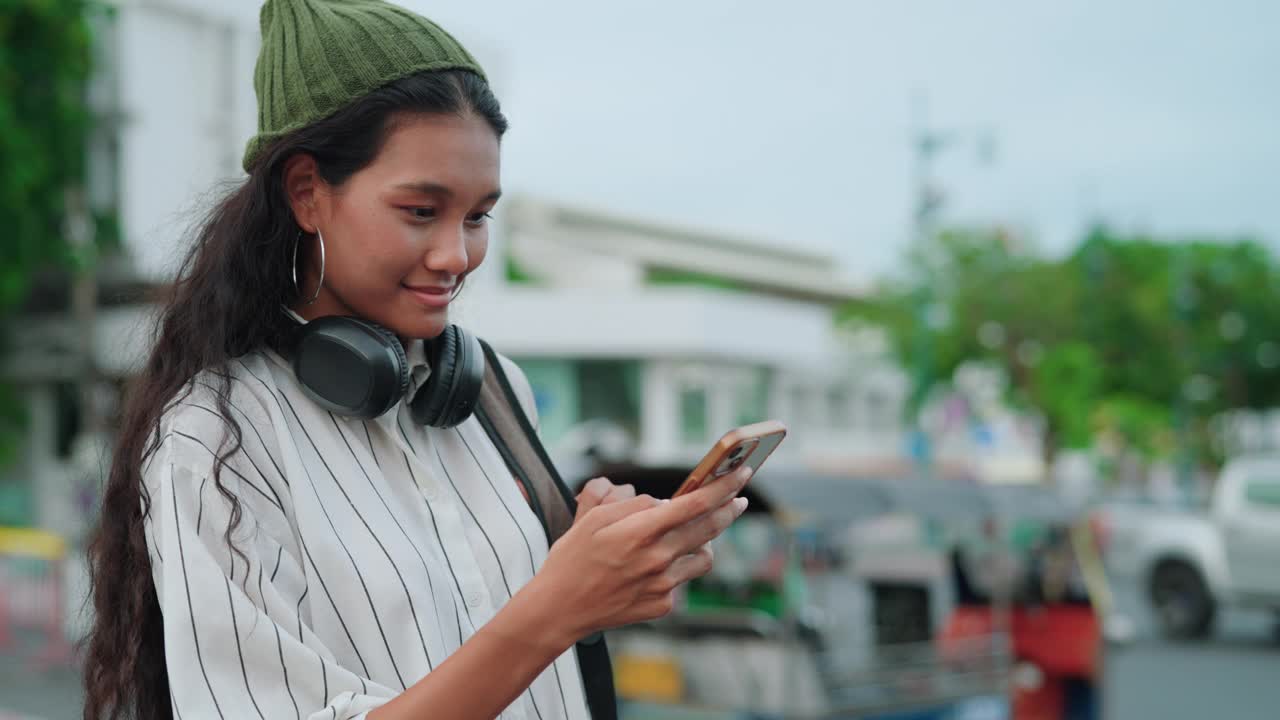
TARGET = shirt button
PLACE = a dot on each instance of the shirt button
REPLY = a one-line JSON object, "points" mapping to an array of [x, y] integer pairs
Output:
{"points": [[474, 598]]}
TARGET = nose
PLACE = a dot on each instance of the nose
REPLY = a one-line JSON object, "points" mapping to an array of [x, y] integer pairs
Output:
{"points": [[447, 252]]}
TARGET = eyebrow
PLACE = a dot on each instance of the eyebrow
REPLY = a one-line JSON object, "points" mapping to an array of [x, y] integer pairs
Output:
{"points": [[429, 188]]}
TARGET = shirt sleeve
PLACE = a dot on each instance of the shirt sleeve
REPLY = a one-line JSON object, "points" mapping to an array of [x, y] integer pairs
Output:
{"points": [[236, 644]]}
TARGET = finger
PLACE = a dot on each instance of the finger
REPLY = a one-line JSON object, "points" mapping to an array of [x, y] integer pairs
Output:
{"points": [[593, 493], [619, 493], [605, 515], [689, 537], [686, 508], [687, 567], [655, 607]]}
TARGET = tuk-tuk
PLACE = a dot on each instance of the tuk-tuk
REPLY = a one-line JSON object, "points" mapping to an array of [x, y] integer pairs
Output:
{"points": [[783, 629], [1055, 594]]}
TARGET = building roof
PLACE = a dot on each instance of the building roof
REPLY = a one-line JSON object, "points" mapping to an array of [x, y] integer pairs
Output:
{"points": [[757, 265]]}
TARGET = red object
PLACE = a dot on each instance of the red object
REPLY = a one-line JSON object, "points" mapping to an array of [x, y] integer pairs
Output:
{"points": [[1062, 641], [36, 601], [1043, 703]]}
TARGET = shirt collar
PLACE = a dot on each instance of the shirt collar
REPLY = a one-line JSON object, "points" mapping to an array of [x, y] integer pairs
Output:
{"points": [[419, 368]]}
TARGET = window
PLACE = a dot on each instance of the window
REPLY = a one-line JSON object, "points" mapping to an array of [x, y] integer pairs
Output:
{"points": [[801, 407], [839, 407], [1263, 493], [751, 398], [693, 416], [877, 409], [610, 390]]}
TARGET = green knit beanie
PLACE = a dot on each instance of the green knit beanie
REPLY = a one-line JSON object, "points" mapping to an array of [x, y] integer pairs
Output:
{"points": [[318, 56]]}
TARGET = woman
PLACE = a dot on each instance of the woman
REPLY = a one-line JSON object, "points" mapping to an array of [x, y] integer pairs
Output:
{"points": [[259, 556]]}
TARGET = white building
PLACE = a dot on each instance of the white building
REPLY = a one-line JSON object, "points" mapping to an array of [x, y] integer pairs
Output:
{"points": [[678, 335], [669, 335]]}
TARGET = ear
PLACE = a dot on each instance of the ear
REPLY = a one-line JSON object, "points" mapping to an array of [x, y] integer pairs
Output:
{"points": [[301, 185]]}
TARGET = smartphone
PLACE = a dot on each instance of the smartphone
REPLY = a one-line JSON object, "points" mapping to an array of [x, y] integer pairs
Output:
{"points": [[748, 445]]}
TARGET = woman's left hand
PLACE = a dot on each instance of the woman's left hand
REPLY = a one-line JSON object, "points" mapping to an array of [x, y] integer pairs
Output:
{"points": [[601, 491]]}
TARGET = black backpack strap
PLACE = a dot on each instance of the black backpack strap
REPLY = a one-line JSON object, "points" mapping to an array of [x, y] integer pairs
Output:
{"points": [[505, 422]]}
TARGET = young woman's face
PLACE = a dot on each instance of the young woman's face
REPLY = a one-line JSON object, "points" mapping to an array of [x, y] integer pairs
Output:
{"points": [[400, 234]]}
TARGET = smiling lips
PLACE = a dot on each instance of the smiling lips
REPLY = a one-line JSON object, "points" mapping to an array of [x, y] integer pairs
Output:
{"points": [[430, 295]]}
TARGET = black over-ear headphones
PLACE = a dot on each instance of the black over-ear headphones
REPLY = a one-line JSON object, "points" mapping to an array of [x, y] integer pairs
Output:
{"points": [[357, 368]]}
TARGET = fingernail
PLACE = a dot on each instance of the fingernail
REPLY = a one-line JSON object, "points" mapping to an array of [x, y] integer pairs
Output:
{"points": [[665, 500], [741, 504]]}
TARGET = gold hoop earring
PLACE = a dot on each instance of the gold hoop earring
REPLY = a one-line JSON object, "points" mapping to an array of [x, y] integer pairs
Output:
{"points": [[297, 288]]}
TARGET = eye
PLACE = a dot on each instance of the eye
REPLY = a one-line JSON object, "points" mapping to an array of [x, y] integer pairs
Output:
{"points": [[422, 213], [478, 219]]}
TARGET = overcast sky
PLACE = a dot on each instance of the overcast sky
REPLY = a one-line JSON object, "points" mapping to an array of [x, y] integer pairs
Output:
{"points": [[790, 122]]}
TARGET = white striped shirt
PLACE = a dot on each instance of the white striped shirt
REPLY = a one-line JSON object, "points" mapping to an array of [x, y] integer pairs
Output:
{"points": [[372, 550]]}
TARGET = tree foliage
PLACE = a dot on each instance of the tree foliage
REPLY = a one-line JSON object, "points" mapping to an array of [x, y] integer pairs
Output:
{"points": [[45, 55], [1125, 337]]}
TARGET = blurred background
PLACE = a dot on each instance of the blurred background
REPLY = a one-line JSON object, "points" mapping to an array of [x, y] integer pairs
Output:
{"points": [[1008, 271]]}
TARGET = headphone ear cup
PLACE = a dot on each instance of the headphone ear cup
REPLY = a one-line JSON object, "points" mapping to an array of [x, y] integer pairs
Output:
{"points": [[468, 378], [452, 390], [350, 366], [428, 405], [401, 358]]}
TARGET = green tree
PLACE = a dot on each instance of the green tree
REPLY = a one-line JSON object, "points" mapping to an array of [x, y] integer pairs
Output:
{"points": [[1124, 336], [1068, 384], [44, 67]]}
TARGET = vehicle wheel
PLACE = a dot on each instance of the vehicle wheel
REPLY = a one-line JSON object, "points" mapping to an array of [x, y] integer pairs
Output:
{"points": [[1181, 598]]}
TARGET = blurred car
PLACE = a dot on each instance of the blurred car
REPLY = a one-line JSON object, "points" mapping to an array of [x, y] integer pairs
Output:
{"points": [[1194, 563]]}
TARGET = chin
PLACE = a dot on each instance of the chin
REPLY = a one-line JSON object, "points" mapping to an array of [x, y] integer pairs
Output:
{"points": [[423, 327], [411, 320]]}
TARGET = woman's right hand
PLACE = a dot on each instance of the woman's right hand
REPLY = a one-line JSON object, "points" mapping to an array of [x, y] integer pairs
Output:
{"points": [[620, 562]]}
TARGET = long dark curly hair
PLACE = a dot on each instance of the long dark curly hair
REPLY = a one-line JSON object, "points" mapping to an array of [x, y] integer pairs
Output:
{"points": [[224, 303]]}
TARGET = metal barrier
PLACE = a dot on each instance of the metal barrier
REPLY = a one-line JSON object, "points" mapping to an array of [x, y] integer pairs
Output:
{"points": [[734, 664], [911, 676], [33, 597]]}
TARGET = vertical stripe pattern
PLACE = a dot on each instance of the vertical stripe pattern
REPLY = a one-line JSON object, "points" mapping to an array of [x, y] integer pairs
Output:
{"points": [[374, 550]]}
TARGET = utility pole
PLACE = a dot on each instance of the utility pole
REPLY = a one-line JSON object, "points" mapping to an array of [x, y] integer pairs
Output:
{"points": [[927, 143], [1184, 305], [88, 447], [84, 288]]}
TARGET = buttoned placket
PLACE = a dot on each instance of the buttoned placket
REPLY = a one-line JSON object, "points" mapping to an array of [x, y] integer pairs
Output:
{"points": [[445, 508]]}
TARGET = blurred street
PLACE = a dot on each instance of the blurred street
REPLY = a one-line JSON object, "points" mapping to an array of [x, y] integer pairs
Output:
{"points": [[1232, 677], [29, 695]]}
